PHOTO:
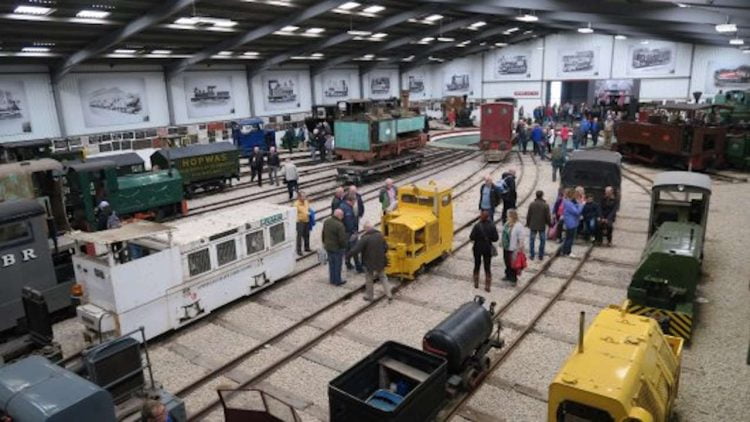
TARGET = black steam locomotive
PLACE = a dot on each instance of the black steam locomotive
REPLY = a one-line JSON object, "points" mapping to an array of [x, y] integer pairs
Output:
{"points": [[399, 383]]}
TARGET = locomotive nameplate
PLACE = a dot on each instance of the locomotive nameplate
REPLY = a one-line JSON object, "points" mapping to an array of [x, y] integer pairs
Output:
{"points": [[271, 220]]}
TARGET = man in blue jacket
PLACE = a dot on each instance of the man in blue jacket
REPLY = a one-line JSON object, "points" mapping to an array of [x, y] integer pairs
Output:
{"points": [[537, 136], [351, 224]]}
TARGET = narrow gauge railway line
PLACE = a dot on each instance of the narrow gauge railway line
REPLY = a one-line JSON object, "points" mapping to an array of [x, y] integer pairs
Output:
{"points": [[437, 162], [279, 363], [713, 174]]}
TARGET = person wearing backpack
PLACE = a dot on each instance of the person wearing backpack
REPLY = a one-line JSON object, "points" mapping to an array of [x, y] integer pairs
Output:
{"points": [[483, 234], [489, 197], [507, 188]]}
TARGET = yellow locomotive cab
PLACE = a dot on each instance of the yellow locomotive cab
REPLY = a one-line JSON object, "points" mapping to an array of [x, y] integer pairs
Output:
{"points": [[420, 230], [624, 370]]}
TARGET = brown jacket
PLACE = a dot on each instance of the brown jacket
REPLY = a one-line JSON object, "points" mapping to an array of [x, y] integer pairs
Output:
{"points": [[538, 216], [373, 248], [334, 235]]}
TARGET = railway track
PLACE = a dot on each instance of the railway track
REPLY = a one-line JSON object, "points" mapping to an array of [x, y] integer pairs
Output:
{"points": [[298, 351]]}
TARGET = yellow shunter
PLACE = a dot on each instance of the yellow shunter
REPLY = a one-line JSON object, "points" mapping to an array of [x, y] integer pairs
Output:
{"points": [[624, 370], [420, 230]]}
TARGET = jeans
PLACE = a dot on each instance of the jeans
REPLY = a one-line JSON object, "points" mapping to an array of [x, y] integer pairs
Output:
{"points": [[595, 137], [485, 256], [570, 237], [556, 168], [604, 226], [370, 277], [576, 143], [291, 187], [273, 175], [589, 226], [542, 240], [335, 261], [303, 235]]}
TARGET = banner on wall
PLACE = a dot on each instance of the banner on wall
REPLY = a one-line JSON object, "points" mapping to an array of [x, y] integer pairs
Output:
{"points": [[113, 101], [416, 84], [380, 85], [514, 65], [652, 58], [14, 109], [336, 85], [727, 76], [208, 96], [281, 90], [584, 62], [457, 83]]}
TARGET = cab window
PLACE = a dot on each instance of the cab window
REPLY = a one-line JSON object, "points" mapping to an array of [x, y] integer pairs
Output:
{"points": [[575, 412], [14, 232], [199, 262], [277, 234]]}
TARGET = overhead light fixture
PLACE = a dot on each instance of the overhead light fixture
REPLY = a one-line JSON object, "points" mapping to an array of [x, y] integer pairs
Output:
{"points": [[358, 33], [368, 56], [737, 41], [161, 52], [379, 35], [124, 51], [511, 30], [185, 21], [92, 14], [224, 53], [645, 42], [527, 18], [501, 44], [250, 53], [35, 49], [427, 39], [682, 5], [289, 28], [408, 59], [205, 21], [586, 29], [726, 27], [436, 59], [433, 18], [33, 10], [476, 25], [314, 30], [349, 5], [528, 31], [373, 9], [317, 54], [621, 37], [446, 39]]}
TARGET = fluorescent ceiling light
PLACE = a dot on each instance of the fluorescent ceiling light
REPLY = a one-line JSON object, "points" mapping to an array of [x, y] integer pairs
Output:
{"points": [[501, 44], [586, 30], [33, 10], [349, 5], [527, 18], [408, 59], [379, 35], [682, 5], [185, 21], [35, 49], [289, 28], [446, 39], [373, 9], [224, 53], [528, 31], [511, 30], [368, 56], [250, 53], [358, 33], [206, 21], [92, 14], [317, 54], [737, 41], [427, 39], [621, 37], [726, 27], [478, 24], [433, 18], [124, 51], [315, 30], [161, 52]]}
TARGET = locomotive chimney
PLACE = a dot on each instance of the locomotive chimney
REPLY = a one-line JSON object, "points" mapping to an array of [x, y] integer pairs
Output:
{"points": [[697, 96], [580, 331]]}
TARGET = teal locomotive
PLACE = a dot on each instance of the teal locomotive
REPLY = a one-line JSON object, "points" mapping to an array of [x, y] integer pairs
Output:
{"points": [[665, 281]]}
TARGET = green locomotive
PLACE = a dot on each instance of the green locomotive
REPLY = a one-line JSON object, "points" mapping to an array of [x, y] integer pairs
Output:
{"points": [[665, 281]]}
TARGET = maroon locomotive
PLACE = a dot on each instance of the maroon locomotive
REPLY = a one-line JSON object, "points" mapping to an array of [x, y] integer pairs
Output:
{"points": [[496, 130]]}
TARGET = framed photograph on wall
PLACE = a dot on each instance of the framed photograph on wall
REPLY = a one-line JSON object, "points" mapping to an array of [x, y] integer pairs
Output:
{"points": [[281, 90], [651, 58], [208, 96], [577, 63], [513, 65], [113, 101], [14, 109]]}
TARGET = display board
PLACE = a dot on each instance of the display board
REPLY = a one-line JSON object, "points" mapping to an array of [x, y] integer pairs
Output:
{"points": [[460, 76], [418, 81], [578, 62], [281, 90], [722, 75], [14, 108], [513, 65], [456, 83], [381, 84], [337, 86], [113, 101], [651, 57], [208, 96], [578, 56]]}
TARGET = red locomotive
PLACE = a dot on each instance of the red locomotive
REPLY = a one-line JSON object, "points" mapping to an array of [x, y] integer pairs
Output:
{"points": [[682, 135], [496, 130]]}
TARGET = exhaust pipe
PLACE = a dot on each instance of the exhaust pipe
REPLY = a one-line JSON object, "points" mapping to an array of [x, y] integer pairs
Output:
{"points": [[581, 324]]}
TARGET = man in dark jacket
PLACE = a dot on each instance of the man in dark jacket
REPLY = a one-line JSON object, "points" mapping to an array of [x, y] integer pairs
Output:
{"points": [[351, 224], [590, 217], [538, 218], [335, 243], [373, 248], [256, 165], [338, 197], [489, 197], [509, 196], [274, 165], [609, 208]]}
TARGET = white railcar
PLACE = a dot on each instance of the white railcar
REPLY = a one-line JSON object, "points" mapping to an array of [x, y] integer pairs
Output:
{"points": [[164, 276]]}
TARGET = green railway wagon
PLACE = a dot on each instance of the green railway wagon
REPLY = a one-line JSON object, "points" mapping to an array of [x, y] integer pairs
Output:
{"points": [[156, 194], [370, 139], [738, 150], [202, 166]]}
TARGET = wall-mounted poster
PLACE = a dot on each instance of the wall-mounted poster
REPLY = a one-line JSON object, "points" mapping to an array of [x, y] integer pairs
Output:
{"points": [[281, 90], [14, 109], [380, 85], [727, 76], [512, 65], [652, 58], [416, 84], [336, 85], [113, 101], [457, 82], [208, 96], [583, 62]]}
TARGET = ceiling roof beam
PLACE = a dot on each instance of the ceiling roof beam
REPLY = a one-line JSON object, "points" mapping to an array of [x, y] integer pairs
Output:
{"points": [[343, 37], [156, 15], [237, 41]]}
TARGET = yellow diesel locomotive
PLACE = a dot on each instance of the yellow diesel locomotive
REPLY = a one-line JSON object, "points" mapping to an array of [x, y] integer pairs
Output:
{"points": [[623, 370], [420, 230]]}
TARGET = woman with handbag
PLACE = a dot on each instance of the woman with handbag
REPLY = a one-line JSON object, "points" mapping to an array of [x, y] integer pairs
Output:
{"points": [[483, 234], [513, 235]]}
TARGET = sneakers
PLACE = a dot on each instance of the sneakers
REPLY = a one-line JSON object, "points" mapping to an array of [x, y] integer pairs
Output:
{"points": [[571, 255]]}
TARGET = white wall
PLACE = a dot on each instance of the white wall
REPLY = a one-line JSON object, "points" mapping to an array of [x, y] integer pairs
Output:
{"points": [[38, 117], [678, 65], [707, 60], [155, 110], [237, 107], [558, 46], [300, 76], [327, 85], [370, 77]]}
